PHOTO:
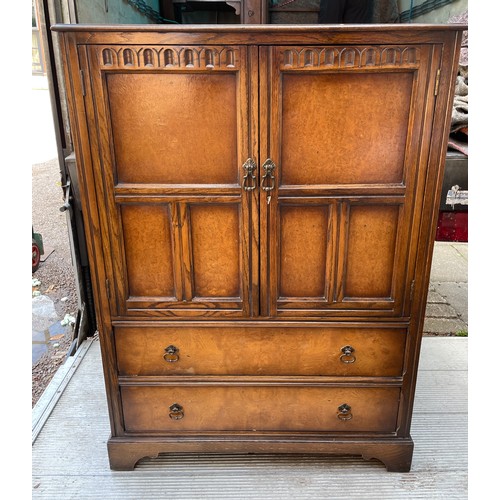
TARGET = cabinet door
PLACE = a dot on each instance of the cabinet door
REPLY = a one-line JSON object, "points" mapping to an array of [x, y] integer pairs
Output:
{"points": [[342, 142], [173, 133]]}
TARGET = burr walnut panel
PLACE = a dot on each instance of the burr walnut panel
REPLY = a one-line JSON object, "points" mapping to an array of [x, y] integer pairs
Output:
{"points": [[194, 110], [371, 250], [303, 250], [149, 250], [321, 142], [215, 242], [247, 408], [292, 351]]}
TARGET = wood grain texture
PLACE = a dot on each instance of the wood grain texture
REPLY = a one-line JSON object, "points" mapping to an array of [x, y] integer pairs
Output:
{"points": [[303, 250], [146, 409], [155, 116], [147, 235], [216, 250], [260, 288], [371, 248], [321, 142], [378, 352]]}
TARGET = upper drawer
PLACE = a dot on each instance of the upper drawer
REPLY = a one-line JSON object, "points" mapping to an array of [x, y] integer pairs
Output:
{"points": [[309, 351]]}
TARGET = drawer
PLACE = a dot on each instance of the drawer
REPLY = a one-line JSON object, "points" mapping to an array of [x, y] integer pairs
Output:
{"points": [[181, 350], [259, 408]]}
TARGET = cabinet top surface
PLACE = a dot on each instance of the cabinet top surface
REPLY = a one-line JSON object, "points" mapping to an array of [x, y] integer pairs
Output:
{"points": [[261, 34], [260, 28]]}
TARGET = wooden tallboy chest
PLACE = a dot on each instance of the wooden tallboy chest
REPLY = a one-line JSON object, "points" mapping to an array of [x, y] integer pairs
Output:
{"points": [[260, 206]]}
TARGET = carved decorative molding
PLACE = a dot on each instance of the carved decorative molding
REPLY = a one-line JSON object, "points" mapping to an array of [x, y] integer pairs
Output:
{"points": [[169, 57], [348, 57]]}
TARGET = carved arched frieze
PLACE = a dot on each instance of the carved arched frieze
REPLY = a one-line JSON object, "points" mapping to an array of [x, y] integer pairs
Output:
{"points": [[170, 58], [347, 57]]}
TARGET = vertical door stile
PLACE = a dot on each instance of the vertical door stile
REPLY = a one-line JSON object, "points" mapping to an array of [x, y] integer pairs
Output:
{"points": [[245, 153], [175, 220], [103, 163], [186, 252], [274, 154], [331, 251], [253, 147], [343, 226], [264, 151]]}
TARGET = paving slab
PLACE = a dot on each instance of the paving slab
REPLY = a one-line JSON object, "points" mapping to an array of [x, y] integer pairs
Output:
{"points": [[449, 264], [444, 326], [447, 301], [457, 296], [434, 297], [440, 310]]}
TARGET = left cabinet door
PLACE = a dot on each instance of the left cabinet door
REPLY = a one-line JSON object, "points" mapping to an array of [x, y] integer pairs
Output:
{"points": [[171, 135]]}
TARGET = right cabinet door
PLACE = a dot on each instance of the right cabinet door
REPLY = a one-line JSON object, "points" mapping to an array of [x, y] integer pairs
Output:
{"points": [[344, 138]]}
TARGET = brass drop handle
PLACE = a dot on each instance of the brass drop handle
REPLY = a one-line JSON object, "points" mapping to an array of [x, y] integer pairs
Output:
{"points": [[347, 355], [171, 354], [344, 412], [249, 180], [176, 412], [268, 181]]}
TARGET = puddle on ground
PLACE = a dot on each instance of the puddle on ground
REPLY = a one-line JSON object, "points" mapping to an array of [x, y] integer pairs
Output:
{"points": [[46, 326]]}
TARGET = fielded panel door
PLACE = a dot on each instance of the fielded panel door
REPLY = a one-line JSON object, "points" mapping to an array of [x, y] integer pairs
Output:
{"points": [[173, 136], [342, 136]]}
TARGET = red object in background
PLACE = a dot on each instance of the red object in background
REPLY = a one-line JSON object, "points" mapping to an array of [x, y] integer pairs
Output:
{"points": [[452, 226]]}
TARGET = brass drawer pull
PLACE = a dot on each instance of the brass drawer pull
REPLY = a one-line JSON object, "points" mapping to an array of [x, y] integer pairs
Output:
{"points": [[171, 354], [176, 412], [347, 355], [268, 180], [344, 412], [249, 179]]}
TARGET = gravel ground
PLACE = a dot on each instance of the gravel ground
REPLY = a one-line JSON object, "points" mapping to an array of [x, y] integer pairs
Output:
{"points": [[56, 273]]}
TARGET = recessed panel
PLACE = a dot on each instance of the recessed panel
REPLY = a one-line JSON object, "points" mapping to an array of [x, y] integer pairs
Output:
{"points": [[344, 128], [371, 250], [147, 237], [215, 236], [174, 128], [303, 246]]}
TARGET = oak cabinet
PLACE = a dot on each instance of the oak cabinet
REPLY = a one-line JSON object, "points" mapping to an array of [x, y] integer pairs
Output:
{"points": [[260, 203]]}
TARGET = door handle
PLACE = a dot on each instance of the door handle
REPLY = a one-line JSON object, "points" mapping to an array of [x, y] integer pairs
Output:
{"points": [[268, 180], [249, 180]]}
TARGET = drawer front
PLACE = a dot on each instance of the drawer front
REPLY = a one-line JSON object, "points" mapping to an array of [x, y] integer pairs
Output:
{"points": [[264, 408], [333, 351]]}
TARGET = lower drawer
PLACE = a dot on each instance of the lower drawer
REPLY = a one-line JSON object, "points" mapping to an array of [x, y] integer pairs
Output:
{"points": [[156, 409], [332, 351]]}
